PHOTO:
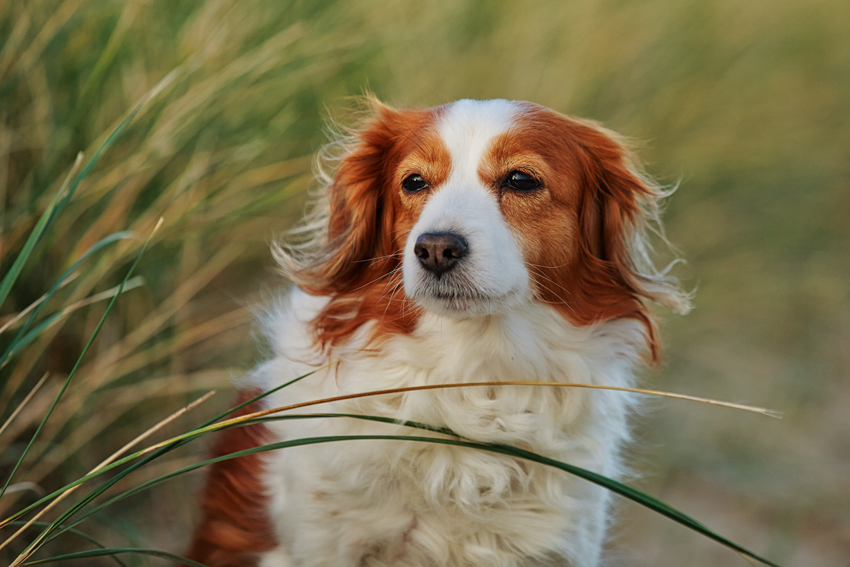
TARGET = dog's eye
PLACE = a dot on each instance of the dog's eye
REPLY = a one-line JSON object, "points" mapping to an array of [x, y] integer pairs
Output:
{"points": [[414, 183], [520, 181]]}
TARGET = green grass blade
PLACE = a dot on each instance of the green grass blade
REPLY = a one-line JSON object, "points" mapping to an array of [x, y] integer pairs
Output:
{"points": [[55, 525], [610, 484], [35, 237], [58, 202], [112, 551], [77, 533], [158, 453], [76, 365], [16, 343], [54, 318], [624, 490], [258, 397]]}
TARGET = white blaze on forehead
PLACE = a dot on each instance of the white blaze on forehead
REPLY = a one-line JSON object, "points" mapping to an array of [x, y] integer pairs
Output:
{"points": [[468, 127], [491, 276]]}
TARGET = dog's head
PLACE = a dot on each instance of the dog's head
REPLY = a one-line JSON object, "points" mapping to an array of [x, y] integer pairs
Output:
{"points": [[475, 208]]}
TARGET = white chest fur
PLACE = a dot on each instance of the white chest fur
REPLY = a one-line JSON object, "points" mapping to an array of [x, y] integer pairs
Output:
{"points": [[381, 503]]}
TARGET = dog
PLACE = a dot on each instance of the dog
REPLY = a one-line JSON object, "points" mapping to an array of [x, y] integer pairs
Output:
{"points": [[479, 241]]}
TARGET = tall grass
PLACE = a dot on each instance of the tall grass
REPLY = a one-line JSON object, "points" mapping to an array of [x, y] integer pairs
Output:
{"points": [[748, 104], [222, 154]]}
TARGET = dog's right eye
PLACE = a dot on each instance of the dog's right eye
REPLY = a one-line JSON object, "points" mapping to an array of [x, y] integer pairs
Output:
{"points": [[414, 183], [521, 182]]}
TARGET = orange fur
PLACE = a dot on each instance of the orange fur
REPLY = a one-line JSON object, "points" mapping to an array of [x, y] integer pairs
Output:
{"points": [[580, 234], [235, 527], [593, 202], [368, 223]]}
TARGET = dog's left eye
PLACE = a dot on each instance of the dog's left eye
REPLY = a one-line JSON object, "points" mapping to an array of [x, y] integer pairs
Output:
{"points": [[520, 181], [414, 183]]}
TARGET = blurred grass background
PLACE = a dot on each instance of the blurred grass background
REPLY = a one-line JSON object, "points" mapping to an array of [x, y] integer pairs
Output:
{"points": [[747, 104]]}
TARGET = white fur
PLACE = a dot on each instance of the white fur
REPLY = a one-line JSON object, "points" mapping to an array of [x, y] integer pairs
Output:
{"points": [[493, 276], [394, 503], [379, 503]]}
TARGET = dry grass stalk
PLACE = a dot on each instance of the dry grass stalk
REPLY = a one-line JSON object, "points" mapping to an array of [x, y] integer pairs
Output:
{"points": [[141, 437]]}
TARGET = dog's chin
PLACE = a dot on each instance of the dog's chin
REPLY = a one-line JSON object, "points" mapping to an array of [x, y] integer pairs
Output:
{"points": [[464, 304]]}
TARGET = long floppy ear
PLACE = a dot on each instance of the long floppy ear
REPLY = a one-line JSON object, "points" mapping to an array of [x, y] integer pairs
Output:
{"points": [[618, 206], [346, 250], [349, 227]]}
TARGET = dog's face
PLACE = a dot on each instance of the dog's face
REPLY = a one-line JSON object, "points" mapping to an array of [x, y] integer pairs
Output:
{"points": [[491, 213], [478, 207]]}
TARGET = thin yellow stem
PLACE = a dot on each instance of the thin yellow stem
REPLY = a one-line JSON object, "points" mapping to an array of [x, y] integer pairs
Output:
{"points": [[14, 319], [263, 413], [33, 547], [23, 403]]}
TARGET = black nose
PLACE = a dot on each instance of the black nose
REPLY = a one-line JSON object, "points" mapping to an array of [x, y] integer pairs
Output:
{"points": [[438, 252]]}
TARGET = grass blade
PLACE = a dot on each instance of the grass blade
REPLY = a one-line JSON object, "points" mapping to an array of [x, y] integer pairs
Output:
{"points": [[77, 364], [14, 346], [610, 484], [158, 453], [150, 431], [21, 342], [624, 490], [165, 446], [24, 402], [77, 533], [35, 237], [221, 425], [105, 486], [112, 551], [12, 320], [659, 393]]}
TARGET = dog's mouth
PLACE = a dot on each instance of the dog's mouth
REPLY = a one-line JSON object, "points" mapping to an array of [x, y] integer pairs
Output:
{"points": [[452, 274], [460, 300], [460, 296]]}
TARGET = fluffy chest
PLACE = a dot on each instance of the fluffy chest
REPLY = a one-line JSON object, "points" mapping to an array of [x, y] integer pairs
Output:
{"points": [[531, 345], [387, 495]]}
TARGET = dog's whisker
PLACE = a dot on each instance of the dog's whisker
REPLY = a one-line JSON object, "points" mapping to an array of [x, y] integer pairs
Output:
{"points": [[547, 278], [397, 276], [395, 290], [561, 299], [527, 263], [379, 278], [378, 258]]}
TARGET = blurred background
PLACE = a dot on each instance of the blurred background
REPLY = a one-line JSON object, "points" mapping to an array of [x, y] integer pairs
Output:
{"points": [[745, 104]]}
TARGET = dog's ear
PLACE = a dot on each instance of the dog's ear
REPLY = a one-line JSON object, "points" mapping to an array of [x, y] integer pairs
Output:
{"points": [[360, 206], [347, 250], [616, 276], [349, 234]]}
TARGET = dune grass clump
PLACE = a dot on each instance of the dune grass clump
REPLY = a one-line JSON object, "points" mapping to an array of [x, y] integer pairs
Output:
{"points": [[201, 118]]}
